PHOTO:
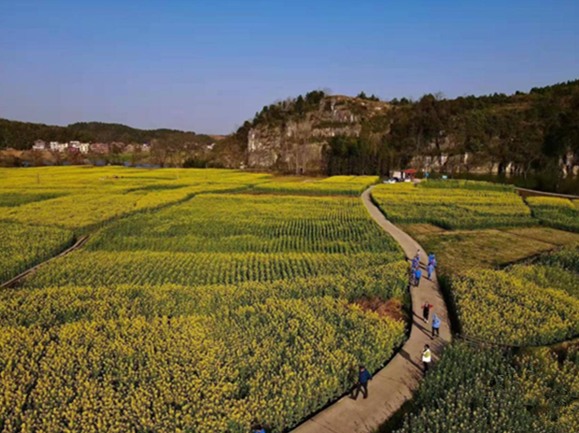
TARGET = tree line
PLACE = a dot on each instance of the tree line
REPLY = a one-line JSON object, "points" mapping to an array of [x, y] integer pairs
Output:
{"points": [[21, 135]]}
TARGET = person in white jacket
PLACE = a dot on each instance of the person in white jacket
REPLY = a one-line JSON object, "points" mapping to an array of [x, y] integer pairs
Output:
{"points": [[426, 358]]}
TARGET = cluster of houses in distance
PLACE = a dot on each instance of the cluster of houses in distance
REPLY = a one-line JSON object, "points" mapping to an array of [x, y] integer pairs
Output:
{"points": [[84, 148]]}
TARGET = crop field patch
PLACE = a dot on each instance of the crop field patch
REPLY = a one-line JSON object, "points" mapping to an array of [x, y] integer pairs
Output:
{"points": [[24, 246], [462, 251], [488, 389], [558, 213], [454, 205]]}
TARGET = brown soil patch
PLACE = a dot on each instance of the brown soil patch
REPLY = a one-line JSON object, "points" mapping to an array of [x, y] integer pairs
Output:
{"points": [[392, 308]]}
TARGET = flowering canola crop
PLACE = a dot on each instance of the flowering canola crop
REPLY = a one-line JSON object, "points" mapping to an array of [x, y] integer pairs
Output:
{"points": [[489, 390], [189, 311]]}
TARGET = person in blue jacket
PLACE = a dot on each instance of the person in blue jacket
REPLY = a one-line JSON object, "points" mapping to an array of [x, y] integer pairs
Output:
{"points": [[435, 325], [417, 276], [415, 263], [430, 269], [363, 377]]}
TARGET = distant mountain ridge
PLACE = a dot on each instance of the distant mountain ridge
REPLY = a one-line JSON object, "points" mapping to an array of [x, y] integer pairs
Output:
{"points": [[526, 133]]}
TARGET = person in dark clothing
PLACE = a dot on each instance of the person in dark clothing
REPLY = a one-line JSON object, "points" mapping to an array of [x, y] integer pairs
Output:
{"points": [[363, 377], [426, 311]]}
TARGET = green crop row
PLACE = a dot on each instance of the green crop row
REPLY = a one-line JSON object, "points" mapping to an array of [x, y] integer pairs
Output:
{"points": [[52, 306], [558, 213], [193, 269], [467, 185], [337, 185], [452, 207], [250, 223]]}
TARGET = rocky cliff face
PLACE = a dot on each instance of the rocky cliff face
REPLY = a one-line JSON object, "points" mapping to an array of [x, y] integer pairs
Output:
{"points": [[297, 145], [523, 133]]}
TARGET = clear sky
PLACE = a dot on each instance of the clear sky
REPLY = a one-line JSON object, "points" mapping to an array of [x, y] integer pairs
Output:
{"points": [[209, 65]]}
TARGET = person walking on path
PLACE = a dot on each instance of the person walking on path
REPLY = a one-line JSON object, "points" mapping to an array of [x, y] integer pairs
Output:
{"points": [[363, 377], [415, 263], [426, 311], [430, 269], [435, 325], [417, 276], [432, 260], [426, 358]]}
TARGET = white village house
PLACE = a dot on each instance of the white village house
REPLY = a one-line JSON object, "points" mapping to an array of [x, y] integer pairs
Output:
{"points": [[55, 146], [81, 147], [39, 145]]}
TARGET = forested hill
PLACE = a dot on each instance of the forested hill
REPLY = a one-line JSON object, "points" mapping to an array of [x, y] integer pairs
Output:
{"points": [[526, 132], [21, 135]]}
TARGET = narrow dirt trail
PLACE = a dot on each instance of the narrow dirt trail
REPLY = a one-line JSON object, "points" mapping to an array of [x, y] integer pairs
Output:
{"points": [[78, 244], [397, 381]]}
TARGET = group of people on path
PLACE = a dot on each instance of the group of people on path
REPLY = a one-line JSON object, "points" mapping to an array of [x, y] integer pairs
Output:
{"points": [[364, 375], [426, 353], [417, 272], [426, 307]]}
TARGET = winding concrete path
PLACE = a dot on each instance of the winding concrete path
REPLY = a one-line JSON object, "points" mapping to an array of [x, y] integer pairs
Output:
{"points": [[392, 386]]}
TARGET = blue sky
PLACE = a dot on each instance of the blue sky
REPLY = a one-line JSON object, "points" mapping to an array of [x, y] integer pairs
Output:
{"points": [[209, 65]]}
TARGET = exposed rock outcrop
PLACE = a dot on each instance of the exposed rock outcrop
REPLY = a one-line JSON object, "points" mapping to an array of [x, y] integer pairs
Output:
{"points": [[297, 145]]}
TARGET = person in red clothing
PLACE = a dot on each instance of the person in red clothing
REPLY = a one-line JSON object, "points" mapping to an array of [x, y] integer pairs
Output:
{"points": [[426, 311]]}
